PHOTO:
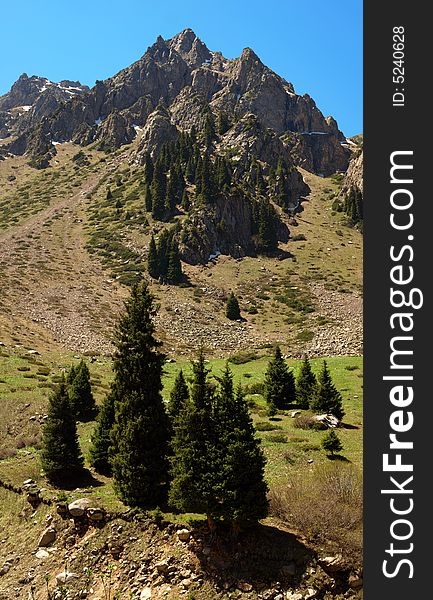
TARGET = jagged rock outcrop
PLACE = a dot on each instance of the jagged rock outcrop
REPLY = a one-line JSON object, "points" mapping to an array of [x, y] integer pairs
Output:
{"points": [[319, 152], [353, 179], [158, 131], [31, 99], [224, 228], [189, 80]]}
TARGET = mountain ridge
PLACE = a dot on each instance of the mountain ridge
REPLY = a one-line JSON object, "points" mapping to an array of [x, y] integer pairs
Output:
{"points": [[181, 65]]}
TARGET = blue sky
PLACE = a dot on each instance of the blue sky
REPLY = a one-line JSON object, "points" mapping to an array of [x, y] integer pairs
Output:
{"points": [[315, 44]]}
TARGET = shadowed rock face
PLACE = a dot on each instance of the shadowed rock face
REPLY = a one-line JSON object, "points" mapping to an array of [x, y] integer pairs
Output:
{"points": [[188, 80]]}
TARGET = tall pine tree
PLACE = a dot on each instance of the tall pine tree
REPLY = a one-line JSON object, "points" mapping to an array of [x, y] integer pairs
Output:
{"points": [[174, 267], [140, 432], [327, 398], [306, 384], [279, 383], [242, 487], [101, 437], [61, 457], [179, 396], [80, 394], [158, 191], [153, 266], [194, 463]]}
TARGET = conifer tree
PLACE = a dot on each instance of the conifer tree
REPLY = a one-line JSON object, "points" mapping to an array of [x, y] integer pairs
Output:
{"points": [[233, 311], [327, 398], [148, 199], [194, 462], [306, 384], [164, 246], [101, 437], [206, 184], [80, 394], [153, 266], [242, 487], [61, 457], [179, 396], [139, 435], [279, 383], [331, 442], [70, 375], [109, 194], [174, 266], [148, 169], [267, 237], [223, 123], [186, 202], [209, 130], [158, 190]]}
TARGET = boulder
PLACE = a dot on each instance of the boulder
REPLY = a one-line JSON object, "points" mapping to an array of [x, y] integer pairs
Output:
{"points": [[162, 566], [328, 421], [355, 581], [245, 586], [293, 596], [78, 507], [95, 513], [146, 593], [42, 554], [47, 538], [332, 564], [184, 535]]}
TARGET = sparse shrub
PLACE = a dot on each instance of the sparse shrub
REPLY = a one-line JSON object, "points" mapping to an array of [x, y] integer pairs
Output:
{"points": [[305, 421], [277, 438], [266, 426], [257, 387], [333, 494], [243, 357]]}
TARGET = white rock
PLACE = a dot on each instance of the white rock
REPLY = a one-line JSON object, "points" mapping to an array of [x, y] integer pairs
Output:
{"points": [[42, 554], [146, 593], [293, 596], [78, 507], [184, 535], [66, 577]]}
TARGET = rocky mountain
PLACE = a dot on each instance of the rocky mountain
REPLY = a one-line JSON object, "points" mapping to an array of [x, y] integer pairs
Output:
{"points": [[353, 179], [172, 88]]}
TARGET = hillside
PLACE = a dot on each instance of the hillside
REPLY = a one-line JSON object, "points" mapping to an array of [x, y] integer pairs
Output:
{"points": [[225, 168]]}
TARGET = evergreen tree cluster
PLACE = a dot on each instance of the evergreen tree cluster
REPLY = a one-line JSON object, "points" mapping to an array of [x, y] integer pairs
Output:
{"points": [[354, 206], [72, 401], [307, 391], [217, 464], [201, 452], [189, 171], [61, 457], [163, 261]]}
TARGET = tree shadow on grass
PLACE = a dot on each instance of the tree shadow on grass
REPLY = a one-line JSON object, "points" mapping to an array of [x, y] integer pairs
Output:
{"points": [[85, 479], [338, 457]]}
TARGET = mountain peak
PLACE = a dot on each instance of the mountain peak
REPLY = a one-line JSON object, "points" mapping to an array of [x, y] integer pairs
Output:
{"points": [[249, 54], [190, 47]]}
